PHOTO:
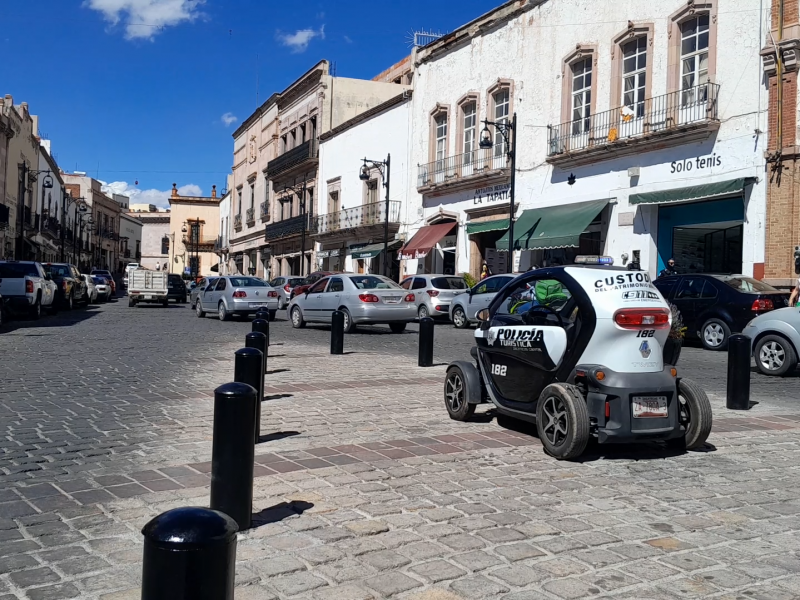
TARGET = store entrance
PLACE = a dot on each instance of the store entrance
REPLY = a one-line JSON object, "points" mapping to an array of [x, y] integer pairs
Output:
{"points": [[709, 248]]}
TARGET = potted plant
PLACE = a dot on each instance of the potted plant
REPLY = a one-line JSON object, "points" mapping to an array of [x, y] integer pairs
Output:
{"points": [[674, 343]]}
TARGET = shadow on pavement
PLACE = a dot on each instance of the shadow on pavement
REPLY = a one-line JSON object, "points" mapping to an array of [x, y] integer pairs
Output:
{"points": [[276, 397], [278, 435], [61, 319], [279, 512], [277, 370]]}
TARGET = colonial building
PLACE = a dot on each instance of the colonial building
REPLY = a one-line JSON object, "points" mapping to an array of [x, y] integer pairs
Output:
{"points": [[130, 239], [50, 205], [194, 229], [222, 246], [639, 133], [157, 242]]}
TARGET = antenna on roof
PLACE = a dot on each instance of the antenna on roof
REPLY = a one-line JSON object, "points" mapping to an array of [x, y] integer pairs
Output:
{"points": [[422, 38]]}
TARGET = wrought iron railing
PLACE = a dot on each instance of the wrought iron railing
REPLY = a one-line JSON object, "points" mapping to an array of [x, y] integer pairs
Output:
{"points": [[126, 253], [250, 215], [237, 221], [291, 158], [289, 227], [358, 216], [653, 115], [265, 216], [460, 166]]}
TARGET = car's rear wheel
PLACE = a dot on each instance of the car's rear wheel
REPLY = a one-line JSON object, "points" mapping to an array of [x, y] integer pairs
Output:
{"points": [[460, 318], [349, 326], [36, 309], [695, 415], [222, 312], [562, 421], [775, 355], [131, 303], [86, 299], [198, 309], [715, 334], [423, 312], [297, 318], [70, 302], [281, 303], [456, 395], [397, 327]]}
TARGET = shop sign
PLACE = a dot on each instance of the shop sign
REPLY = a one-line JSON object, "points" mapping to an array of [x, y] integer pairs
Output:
{"points": [[327, 253], [695, 164], [448, 242], [493, 193]]}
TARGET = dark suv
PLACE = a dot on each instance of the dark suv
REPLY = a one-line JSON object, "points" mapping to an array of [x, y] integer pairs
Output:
{"points": [[71, 286], [176, 289]]}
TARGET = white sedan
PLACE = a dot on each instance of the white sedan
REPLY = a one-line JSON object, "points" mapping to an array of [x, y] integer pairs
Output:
{"points": [[364, 300]]}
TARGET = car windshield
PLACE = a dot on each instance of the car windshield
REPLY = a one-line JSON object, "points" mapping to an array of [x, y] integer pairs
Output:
{"points": [[12, 270], [98, 281], [240, 282], [747, 284], [295, 281], [373, 282], [57, 270], [448, 283], [96, 272]]}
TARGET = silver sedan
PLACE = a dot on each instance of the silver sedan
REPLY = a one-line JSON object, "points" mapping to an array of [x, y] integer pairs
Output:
{"points": [[776, 340], [364, 300], [237, 295]]}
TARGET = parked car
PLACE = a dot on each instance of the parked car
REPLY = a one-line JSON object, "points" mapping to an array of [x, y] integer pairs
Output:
{"points": [[177, 289], [308, 282], [91, 287], [101, 287], [715, 306], [199, 289], [364, 300], [434, 293], [285, 285], [71, 285], [237, 295], [464, 307], [775, 340], [109, 277], [26, 288]]}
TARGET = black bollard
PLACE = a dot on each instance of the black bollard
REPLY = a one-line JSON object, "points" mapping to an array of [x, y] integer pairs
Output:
{"points": [[233, 450], [262, 313], [257, 340], [425, 342], [262, 325], [739, 372], [189, 554], [337, 332]]}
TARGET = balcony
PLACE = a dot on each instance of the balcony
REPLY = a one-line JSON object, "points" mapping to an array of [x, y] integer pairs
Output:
{"points": [[342, 224], [299, 156], [676, 118], [265, 216], [462, 171], [126, 253], [51, 227], [290, 227], [250, 216], [237, 222], [204, 244], [220, 245]]}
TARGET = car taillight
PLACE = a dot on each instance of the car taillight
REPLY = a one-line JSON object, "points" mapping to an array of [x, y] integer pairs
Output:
{"points": [[368, 298], [762, 305], [287, 288], [28, 287], [642, 318], [410, 298], [64, 285], [433, 293], [240, 294], [272, 294]]}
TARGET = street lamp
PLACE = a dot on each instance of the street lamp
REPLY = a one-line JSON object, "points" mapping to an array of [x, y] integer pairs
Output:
{"points": [[300, 193], [24, 174], [66, 201], [78, 220], [384, 168], [194, 246], [507, 130]]}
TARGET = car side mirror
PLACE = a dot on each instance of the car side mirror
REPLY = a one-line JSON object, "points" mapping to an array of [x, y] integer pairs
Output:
{"points": [[483, 315]]}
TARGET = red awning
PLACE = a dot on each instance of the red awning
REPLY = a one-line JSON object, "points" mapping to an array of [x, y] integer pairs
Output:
{"points": [[425, 239]]}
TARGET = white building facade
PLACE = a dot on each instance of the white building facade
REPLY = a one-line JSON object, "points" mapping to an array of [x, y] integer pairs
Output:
{"points": [[639, 135], [222, 246]]}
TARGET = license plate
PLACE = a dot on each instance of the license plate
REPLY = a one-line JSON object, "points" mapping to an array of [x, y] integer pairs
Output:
{"points": [[646, 407], [391, 299], [257, 304], [148, 297]]}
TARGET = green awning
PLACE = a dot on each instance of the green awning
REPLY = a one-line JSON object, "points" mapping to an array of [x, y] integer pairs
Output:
{"points": [[553, 226], [707, 191], [372, 250], [484, 226]]}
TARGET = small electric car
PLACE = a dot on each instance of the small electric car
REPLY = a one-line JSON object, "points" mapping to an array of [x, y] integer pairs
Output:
{"points": [[578, 351]]}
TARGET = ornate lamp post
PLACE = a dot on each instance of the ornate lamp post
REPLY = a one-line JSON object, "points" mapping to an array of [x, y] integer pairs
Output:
{"points": [[300, 192], [384, 167]]}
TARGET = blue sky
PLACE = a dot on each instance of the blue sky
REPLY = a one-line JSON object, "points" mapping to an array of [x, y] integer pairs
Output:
{"points": [[151, 90]]}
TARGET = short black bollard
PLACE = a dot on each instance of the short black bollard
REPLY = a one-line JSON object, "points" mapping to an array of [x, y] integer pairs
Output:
{"points": [[189, 554], [739, 372], [425, 342], [262, 313], [233, 450], [337, 332], [262, 325], [257, 340]]}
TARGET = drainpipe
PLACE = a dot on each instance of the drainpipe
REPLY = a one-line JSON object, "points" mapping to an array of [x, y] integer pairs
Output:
{"points": [[780, 76]]}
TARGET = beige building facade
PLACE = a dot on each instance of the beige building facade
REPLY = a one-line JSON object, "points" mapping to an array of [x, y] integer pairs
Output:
{"points": [[193, 231], [156, 240]]}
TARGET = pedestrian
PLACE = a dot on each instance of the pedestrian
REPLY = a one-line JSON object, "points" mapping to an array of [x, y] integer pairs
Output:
{"points": [[670, 269], [794, 298], [485, 271]]}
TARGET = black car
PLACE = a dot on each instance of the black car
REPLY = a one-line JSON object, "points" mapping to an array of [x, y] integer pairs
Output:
{"points": [[71, 287], [176, 289], [715, 306]]}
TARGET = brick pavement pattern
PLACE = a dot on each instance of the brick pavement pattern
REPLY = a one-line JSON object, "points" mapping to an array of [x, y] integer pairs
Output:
{"points": [[364, 487]]}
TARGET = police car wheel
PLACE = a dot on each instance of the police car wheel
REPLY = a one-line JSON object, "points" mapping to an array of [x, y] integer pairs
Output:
{"points": [[695, 413], [562, 421], [456, 395]]}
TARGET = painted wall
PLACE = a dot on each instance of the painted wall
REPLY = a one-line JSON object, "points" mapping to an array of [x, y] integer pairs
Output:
{"points": [[351, 97], [153, 231], [183, 211], [530, 50], [131, 228]]}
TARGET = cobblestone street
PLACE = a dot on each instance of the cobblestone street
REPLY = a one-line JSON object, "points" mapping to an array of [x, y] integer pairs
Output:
{"points": [[364, 487]]}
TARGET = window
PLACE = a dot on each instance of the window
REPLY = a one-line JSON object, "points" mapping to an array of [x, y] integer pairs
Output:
{"points": [[310, 202], [336, 285], [581, 95], [691, 287], [469, 113], [406, 285], [240, 201], [709, 291], [694, 59], [318, 287], [502, 105], [333, 202], [266, 195], [374, 282], [284, 143], [448, 283], [302, 134], [419, 284], [293, 138], [441, 137], [252, 195], [372, 191], [221, 285], [634, 75]]}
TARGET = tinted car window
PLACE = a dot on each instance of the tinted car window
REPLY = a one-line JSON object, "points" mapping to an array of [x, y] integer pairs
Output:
{"points": [[221, 285], [247, 282], [295, 281], [318, 287], [98, 281], [277, 282], [709, 291], [12, 270], [748, 284], [58, 270], [665, 286], [336, 285], [691, 288], [419, 283], [448, 283], [406, 284], [373, 282]]}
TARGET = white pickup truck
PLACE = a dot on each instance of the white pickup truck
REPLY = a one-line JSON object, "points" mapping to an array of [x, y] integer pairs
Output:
{"points": [[25, 288], [146, 286]]}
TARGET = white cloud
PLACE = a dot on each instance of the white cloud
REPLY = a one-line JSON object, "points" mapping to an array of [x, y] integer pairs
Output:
{"points": [[348, 39], [143, 19], [229, 119], [151, 196], [299, 40]]}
